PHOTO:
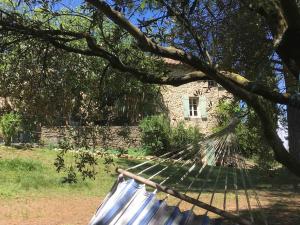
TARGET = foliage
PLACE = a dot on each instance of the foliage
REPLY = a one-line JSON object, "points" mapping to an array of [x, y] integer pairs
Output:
{"points": [[31, 173], [182, 137], [156, 132], [259, 40], [83, 163], [249, 136], [36, 176], [159, 137], [64, 144], [9, 124], [70, 88], [56, 87]]}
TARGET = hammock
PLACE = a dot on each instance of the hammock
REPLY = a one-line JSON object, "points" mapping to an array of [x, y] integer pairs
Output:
{"points": [[129, 203]]}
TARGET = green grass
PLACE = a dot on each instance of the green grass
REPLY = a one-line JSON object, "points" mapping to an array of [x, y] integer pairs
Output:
{"points": [[20, 165], [32, 173], [135, 152]]}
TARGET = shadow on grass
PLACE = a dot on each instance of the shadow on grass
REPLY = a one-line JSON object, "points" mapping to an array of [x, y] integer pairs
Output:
{"points": [[278, 213], [214, 178]]}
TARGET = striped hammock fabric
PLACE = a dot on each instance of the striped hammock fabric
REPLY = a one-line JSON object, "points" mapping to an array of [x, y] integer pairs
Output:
{"points": [[129, 203]]}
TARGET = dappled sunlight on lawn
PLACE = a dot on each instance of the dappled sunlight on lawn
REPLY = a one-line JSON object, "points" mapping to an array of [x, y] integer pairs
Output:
{"points": [[31, 192]]}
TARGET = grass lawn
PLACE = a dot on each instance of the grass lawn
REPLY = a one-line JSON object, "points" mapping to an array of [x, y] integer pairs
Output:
{"points": [[31, 173], [31, 191]]}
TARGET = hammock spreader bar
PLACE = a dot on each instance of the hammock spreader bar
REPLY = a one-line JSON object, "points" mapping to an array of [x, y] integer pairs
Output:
{"points": [[186, 198]]}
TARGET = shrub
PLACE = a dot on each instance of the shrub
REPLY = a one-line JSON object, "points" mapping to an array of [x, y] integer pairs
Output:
{"points": [[156, 134], [158, 137], [182, 137], [64, 144], [9, 124], [265, 160]]}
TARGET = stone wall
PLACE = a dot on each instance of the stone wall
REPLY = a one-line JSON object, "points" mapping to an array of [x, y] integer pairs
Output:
{"points": [[116, 137], [173, 100]]}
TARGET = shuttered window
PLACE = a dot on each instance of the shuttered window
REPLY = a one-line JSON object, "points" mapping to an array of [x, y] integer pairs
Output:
{"points": [[185, 102], [202, 107], [194, 107]]}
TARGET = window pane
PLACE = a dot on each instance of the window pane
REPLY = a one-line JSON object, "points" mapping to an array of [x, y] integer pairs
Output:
{"points": [[193, 106]]}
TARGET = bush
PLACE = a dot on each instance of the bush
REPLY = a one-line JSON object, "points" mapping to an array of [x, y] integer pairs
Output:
{"points": [[9, 124], [182, 137], [156, 134], [158, 137], [265, 160]]}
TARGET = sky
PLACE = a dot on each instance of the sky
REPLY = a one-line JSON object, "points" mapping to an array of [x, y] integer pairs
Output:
{"points": [[283, 134]]}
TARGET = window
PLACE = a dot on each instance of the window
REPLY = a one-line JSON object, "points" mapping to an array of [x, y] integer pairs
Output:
{"points": [[193, 106], [212, 83]]}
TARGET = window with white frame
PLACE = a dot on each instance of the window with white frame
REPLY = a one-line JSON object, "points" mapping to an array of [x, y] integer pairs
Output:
{"points": [[194, 106]]}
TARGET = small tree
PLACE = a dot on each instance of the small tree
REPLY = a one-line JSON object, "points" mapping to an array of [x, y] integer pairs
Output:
{"points": [[9, 125]]}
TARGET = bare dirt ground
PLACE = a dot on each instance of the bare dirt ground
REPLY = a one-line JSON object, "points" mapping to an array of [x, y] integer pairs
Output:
{"points": [[282, 208], [48, 211]]}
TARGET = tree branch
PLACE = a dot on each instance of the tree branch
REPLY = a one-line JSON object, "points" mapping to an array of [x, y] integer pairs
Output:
{"points": [[283, 18], [144, 76], [224, 78], [185, 22], [234, 83]]}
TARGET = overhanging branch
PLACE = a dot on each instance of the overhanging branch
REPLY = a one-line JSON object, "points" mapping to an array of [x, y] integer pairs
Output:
{"points": [[230, 80]]}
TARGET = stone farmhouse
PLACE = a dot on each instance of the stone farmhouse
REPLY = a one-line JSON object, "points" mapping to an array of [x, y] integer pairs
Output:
{"points": [[194, 103]]}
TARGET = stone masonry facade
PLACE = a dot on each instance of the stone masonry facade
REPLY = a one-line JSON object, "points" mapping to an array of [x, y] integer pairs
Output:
{"points": [[174, 97], [194, 103]]}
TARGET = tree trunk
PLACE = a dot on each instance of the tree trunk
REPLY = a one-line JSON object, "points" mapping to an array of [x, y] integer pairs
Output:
{"points": [[293, 119]]}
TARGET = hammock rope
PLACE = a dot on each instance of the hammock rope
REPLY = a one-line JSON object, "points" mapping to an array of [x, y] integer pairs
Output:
{"points": [[186, 198], [236, 189], [251, 186], [246, 190], [216, 181], [226, 183], [202, 186], [219, 149]]}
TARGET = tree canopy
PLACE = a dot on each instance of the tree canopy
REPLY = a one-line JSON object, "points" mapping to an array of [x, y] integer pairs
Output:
{"points": [[239, 44], [54, 87]]}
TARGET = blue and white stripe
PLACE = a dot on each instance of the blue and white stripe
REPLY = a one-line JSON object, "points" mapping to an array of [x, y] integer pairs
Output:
{"points": [[130, 204]]}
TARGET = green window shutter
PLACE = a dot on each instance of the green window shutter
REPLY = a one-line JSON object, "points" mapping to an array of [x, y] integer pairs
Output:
{"points": [[186, 106], [202, 107]]}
